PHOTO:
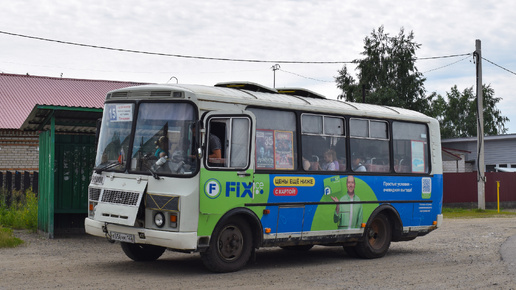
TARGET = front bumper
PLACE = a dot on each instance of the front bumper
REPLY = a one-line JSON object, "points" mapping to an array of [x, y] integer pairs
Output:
{"points": [[172, 240]]}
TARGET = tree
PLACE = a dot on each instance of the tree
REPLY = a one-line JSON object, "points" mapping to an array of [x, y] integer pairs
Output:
{"points": [[458, 115], [387, 73], [388, 76]]}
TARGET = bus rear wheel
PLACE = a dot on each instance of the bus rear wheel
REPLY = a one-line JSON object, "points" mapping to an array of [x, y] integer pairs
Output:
{"points": [[230, 246], [140, 252], [377, 238]]}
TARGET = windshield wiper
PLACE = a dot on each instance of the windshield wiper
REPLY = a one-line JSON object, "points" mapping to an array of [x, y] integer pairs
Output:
{"points": [[99, 170], [154, 174]]}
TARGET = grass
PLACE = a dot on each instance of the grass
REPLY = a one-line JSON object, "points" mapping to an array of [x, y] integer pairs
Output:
{"points": [[475, 213], [7, 239], [22, 213]]}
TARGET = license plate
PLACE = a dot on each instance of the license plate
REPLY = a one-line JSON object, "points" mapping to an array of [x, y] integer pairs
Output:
{"points": [[128, 238]]}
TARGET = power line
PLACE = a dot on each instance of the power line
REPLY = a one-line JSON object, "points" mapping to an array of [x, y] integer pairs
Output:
{"points": [[443, 56], [305, 76], [450, 64], [173, 55], [498, 66], [204, 57]]}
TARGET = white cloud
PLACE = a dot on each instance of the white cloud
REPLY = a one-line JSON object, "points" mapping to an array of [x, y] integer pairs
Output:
{"points": [[272, 30]]}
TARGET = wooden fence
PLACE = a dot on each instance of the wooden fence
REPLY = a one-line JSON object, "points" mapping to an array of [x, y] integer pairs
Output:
{"points": [[17, 181]]}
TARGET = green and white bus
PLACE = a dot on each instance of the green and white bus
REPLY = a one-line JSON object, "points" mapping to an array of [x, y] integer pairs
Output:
{"points": [[225, 170]]}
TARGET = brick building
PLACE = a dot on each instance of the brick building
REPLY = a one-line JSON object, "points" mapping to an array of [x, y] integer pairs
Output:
{"points": [[19, 150]]}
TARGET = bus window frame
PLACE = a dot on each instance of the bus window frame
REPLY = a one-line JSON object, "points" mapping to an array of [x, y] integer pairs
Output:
{"points": [[226, 116], [297, 140], [428, 152], [344, 136], [133, 139]]}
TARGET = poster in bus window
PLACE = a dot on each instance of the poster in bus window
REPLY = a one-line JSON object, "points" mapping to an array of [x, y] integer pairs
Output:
{"points": [[283, 150], [264, 149], [418, 156]]}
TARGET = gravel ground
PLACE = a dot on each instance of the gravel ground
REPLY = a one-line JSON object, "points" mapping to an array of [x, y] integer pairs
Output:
{"points": [[463, 254]]}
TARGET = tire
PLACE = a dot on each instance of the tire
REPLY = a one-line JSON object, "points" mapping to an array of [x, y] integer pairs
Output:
{"points": [[300, 248], [230, 246], [377, 238], [141, 252]]}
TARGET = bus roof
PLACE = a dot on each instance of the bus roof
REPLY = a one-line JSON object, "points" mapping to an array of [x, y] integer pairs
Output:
{"points": [[247, 93]]}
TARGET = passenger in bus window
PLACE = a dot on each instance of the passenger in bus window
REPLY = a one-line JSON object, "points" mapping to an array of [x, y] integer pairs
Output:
{"points": [[312, 164], [214, 147], [330, 161], [356, 163], [348, 216], [215, 151], [306, 164]]}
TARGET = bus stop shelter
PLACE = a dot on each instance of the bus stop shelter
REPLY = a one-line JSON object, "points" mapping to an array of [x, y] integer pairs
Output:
{"points": [[66, 160]]}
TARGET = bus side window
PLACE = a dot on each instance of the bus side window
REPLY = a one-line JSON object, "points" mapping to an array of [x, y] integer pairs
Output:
{"points": [[410, 147], [216, 139], [228, 142], [370, 141]]}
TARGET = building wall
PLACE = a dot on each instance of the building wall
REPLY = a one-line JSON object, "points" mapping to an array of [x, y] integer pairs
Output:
{"points": [[497, 150], [19, 150], [455, 166]]}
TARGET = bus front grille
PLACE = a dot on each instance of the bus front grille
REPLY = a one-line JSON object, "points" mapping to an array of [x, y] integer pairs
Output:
{"points": [[120, 197]]}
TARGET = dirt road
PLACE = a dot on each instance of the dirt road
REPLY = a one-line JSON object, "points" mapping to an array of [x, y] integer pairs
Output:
{"points": [[463, 254]]}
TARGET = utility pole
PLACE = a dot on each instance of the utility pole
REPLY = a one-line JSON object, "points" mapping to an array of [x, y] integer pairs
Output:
{"points": [[481, 178], [274, 69]]}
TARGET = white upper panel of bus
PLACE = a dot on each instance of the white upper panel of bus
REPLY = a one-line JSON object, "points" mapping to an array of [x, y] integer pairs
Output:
{"points": [[208, 95]]}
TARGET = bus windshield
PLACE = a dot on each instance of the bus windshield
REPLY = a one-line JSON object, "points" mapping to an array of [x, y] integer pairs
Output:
{"points": [[113, 143], [163, 138]]}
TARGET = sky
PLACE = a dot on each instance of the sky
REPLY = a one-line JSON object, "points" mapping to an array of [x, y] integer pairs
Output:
{"points": [[273, 31]]}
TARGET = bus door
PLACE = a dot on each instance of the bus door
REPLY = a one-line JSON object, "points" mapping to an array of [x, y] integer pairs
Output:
{"points": [[227, 174]]}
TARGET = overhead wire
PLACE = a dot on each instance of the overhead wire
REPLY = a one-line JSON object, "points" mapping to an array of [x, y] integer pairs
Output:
{"points": [[498, 66], [202, 57], [245, 60], [171, 54], [450, 64]]}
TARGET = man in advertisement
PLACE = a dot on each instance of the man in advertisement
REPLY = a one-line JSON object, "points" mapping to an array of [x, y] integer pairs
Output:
{"points": [[348, 216]]}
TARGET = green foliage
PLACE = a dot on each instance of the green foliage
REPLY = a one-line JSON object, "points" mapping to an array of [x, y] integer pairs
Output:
{"points": [[388, 74], [7, 239], [23, 211], [458, 115]]}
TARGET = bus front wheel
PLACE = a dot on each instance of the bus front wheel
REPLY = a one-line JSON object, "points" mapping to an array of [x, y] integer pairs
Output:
{"points": [[230, 246], [377, 238], [140, 252]]}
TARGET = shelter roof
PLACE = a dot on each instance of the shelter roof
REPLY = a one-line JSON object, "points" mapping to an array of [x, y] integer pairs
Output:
{"points": [[20, 94]]}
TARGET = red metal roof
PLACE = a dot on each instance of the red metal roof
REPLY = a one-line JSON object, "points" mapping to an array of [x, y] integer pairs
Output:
{"points": [[20, 93]]}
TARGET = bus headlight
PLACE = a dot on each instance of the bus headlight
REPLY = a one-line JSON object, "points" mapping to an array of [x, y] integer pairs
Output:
{"points": [[159, 219]]}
